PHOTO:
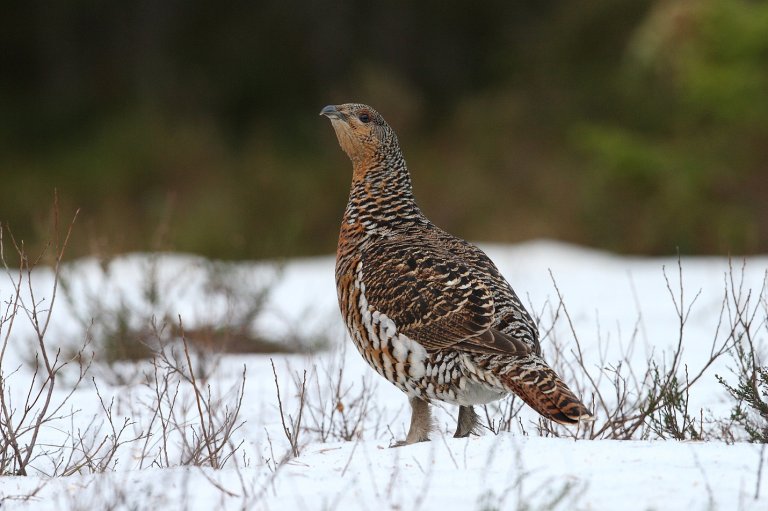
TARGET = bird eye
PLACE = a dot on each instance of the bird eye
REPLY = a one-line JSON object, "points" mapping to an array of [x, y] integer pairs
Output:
{"points": [[364, 117]]}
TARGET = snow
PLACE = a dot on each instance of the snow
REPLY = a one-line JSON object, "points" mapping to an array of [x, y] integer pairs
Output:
{"points": [[504, 472], [620, 307]]}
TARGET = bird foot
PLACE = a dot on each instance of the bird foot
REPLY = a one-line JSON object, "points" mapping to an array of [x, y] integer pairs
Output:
{"points": [[401, 443], [468, 422], [421, 423]]}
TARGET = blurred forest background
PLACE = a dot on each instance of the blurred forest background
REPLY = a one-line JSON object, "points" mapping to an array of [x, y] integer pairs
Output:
{"points": [[631, 125]]}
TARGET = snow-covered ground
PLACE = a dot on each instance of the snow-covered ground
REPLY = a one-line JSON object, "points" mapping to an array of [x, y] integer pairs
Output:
{"points": [[620, 308]]}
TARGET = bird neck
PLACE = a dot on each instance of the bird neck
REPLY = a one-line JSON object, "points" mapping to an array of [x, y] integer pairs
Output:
{"points": [[381, 197]]}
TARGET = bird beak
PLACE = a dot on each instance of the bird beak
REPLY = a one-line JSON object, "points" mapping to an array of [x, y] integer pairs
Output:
{"points": [[331, 112]]}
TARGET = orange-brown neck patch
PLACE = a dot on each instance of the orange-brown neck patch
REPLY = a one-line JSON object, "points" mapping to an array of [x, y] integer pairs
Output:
{"points": [[359, 149]]}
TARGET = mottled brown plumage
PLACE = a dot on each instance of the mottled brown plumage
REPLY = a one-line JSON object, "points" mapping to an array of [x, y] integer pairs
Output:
{"points": [[429, 311]]}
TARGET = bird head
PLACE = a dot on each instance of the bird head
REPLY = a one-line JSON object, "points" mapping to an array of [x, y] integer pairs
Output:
{"points": [[362, 132]]}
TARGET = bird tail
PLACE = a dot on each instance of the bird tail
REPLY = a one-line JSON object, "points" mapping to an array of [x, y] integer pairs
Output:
{"points": [[540, 387]]}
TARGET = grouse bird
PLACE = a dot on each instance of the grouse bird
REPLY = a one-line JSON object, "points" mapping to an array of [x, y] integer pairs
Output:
{"points": [[427, 310]]}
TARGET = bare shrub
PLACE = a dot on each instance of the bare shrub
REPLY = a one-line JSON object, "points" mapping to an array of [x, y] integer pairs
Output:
{"points": [[189, 430], [502, 415], [339, 409], [666, 408], [123, 321], [631, 401], [291, 428], [748, 316], [93, 448], [22, 422]]}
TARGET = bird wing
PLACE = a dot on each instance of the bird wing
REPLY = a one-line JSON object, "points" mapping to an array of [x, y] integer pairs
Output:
{"points": [[512, 320], [432, 297]]}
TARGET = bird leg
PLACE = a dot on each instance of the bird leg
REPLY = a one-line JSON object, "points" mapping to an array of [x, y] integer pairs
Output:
{"points": [[421, 423], [468, 422]]}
